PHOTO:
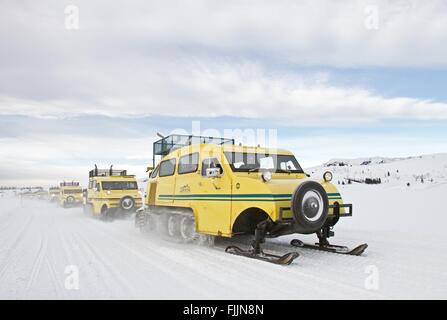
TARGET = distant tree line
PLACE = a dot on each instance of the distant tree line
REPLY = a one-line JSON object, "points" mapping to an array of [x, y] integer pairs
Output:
{"points": [[366, 181], [373, 180], [19, 188]]}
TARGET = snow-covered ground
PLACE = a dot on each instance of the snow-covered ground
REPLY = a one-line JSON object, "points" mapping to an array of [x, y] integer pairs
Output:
{"points": [[404, 227]]}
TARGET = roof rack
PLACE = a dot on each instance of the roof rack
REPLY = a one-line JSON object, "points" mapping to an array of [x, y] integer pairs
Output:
{"points": [[69, 184], [106, 172], [172, 142]]}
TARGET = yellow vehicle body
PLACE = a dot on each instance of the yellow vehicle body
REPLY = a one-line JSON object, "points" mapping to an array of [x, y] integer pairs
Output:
{"points": [[108, 193], [70, 195], [221, 204]]}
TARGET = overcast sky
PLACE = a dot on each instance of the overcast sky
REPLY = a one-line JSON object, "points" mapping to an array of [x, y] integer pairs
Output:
{"points": [[85, 82]]}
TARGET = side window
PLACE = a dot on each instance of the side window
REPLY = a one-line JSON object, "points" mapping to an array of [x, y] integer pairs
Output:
{"points": [[167, 167], [287, 165], [188, 163], [210, 163]]}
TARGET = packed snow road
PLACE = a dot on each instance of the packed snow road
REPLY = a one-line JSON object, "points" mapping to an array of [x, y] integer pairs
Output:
{"points": [[43, 248]]}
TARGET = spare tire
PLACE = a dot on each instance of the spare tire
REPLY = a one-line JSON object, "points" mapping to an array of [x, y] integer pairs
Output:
{"points": [[310, 206], [127, 203]]}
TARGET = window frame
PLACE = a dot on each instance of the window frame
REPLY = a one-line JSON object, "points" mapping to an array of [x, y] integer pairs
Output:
{"points": [[72, 191], [218, 161], [277, 170], [188, 155], [118, 182], [173, 171]]}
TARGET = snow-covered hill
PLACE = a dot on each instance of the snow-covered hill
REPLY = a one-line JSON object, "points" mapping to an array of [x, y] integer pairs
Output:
{"points": [[413, 172]]}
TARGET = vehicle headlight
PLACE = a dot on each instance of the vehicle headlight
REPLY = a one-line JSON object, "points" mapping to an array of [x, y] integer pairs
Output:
{"points": [[108, 192], [327, 176], [266, 176]]}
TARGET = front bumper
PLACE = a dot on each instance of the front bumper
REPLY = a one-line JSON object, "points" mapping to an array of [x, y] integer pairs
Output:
{"points": [[76, 202], [335, 208], [115, 205]]}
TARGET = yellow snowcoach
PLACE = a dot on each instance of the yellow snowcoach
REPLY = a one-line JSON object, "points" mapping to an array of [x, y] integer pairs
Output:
{"points": [[207, 187], [53, 193], [111, 192], [70, 194]]}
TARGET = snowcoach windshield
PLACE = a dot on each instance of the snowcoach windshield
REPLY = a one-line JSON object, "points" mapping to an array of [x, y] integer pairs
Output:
{"points": [[119, 185], [248, 162], [71, 191]]}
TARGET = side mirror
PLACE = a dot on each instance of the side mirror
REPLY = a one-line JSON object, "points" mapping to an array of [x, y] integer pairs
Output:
{"points": [[212, 172]]}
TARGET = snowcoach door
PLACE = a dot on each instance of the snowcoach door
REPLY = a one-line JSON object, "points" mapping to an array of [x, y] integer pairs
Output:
{"points": [[152, 192], [214, 198], [166, 181]]}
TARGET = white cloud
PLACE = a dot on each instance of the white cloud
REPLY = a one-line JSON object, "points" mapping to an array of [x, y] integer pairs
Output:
{"points": [[46, 175], [47, 159], [210, 89], [41, 159], [410, 32], [191, 58], [319, 148], [69, 145], [207, 58]]}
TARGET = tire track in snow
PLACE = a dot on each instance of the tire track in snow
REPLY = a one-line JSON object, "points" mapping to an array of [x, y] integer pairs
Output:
{"points": [[170, 258], [91, 272], [213, 266], [37, 264], [105, 264], [213, 263], [295, 277], [9, 257], [55, 282], [164, 264]]}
